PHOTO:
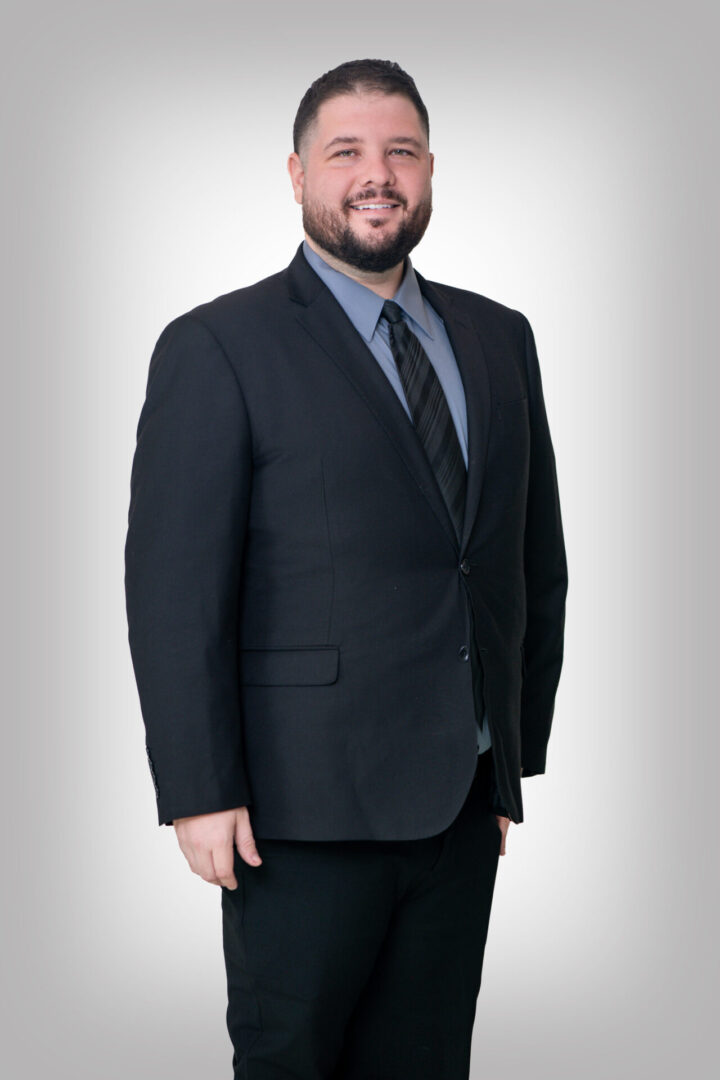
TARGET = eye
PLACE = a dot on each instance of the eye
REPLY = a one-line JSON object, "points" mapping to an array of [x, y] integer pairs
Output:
{"points": [[401, 150], [341, 153]]}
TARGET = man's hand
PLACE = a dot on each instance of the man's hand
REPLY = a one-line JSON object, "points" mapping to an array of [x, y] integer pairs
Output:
{"points": [[503, 825], [208, 843]]}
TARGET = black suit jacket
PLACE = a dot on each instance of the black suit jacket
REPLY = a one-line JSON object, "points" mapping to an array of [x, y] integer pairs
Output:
{"points": [[307, 636]]}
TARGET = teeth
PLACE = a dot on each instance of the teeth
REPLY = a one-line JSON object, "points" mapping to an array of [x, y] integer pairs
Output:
{"points": [[374, 206]]}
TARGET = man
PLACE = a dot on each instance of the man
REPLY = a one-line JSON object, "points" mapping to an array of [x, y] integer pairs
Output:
{"points": [[346, 585]]}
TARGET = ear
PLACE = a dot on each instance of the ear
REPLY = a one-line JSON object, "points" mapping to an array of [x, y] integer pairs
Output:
{"points": [[297, 175]]}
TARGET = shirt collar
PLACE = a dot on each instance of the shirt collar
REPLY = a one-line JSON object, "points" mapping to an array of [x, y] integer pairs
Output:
{"points": [[362, 306]]}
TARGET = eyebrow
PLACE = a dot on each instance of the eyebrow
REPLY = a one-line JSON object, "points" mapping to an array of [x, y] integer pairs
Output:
{"points": [[347, 140]]}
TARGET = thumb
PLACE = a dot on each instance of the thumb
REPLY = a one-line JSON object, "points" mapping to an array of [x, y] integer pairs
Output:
{"points": [[245, 841]]}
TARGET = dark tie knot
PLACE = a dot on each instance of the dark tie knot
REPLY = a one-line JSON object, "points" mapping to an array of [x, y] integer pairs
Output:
{"points": [[392, 312]]}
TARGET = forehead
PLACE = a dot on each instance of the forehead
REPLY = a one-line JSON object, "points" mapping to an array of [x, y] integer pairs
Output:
{"points": [[364, 114]]}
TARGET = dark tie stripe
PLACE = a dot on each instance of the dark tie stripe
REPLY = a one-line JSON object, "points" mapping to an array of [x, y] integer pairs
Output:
{"points": [[430, 413]]}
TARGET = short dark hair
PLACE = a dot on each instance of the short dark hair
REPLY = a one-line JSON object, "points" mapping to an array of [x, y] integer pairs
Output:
{"points": [[369, 76]]}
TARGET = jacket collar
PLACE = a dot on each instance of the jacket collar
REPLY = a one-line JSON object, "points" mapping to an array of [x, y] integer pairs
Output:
{"points": [[363, 306]]}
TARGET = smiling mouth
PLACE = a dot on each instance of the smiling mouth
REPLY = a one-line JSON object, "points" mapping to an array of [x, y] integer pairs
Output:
{"points": [[376, 206]]}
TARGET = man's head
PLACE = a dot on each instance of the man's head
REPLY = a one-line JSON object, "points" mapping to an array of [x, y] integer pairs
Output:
{"points": [[361, 166]]}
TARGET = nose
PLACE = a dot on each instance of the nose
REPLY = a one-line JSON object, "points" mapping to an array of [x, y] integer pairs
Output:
{"points": [[377, 168]]}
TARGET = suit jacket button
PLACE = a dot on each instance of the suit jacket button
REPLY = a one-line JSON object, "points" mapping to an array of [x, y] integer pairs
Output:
{"points": [[464, 652], [465, 566]]}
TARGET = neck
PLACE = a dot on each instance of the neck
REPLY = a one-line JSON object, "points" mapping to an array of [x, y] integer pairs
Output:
{"points": [[384, 282]]}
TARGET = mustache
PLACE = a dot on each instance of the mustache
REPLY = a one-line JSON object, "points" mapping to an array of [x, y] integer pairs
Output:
{"points": [[385, 195]]}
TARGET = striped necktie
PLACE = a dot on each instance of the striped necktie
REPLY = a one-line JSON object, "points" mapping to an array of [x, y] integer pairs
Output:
{"points": [[431, 415]]}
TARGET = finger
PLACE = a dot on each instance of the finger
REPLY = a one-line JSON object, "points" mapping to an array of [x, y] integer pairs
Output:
{"points": [[245, 842], [203, 865], [222, 860]]}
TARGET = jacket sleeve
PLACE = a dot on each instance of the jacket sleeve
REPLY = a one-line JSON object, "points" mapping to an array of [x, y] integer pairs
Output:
{"points": [[189, 496], [546, 579]]}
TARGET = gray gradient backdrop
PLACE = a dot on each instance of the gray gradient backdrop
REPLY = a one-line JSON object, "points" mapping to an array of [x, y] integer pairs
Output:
{"points": [[576, 180]]}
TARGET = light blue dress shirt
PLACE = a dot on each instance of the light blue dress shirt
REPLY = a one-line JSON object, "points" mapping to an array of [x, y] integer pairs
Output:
{"points": [[363, 307]]}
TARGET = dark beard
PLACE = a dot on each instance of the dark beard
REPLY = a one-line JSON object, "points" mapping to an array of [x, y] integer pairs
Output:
{"points": [[334, 235]]}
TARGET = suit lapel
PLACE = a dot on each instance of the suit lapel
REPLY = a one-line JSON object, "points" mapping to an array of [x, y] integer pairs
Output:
{"points": [[324, 319], [472, 364]]}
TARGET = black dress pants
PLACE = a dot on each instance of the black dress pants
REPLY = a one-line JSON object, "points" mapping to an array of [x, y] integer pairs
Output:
{"points": [[361, 960]]}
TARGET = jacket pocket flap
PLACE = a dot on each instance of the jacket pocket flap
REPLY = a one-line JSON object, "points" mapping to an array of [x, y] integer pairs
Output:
{"points": [[515, 407], [312, 666]]}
